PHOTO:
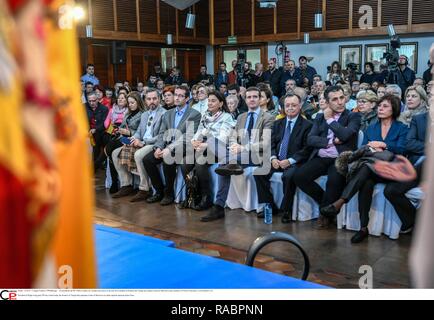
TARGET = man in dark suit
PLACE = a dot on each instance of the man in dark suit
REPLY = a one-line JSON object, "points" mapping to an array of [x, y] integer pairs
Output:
{"points": [[171, 142], [289, 151], [333, 132], [96, 114], [245, 143]]}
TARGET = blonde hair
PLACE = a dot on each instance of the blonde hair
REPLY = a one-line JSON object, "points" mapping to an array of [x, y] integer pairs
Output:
{"points": [[420, 91], [368, 95]]}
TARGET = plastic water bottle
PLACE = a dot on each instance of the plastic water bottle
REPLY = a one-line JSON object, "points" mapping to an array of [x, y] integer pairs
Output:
{"points": [[268, 214]]}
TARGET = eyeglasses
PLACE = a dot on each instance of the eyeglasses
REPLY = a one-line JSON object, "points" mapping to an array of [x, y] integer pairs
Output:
{"points": [[179, 95], [150, 121], [363, 101]]}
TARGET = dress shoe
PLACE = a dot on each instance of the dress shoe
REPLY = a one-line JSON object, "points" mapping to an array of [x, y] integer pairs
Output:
{"points": [[123, 192], [216, 212], [140, 196], [323, 223], [329, 211], [114, 188], [204, 204], [359, 236], [167, 200], [406, 230], [230, 169], [286, 218], [155, 198]]}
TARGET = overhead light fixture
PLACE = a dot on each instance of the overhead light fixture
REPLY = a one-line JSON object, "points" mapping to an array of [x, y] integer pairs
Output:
{"points": [[89, 31], [391, 30], [189, 21], [318, 20], [169, 39], [306, 38]]}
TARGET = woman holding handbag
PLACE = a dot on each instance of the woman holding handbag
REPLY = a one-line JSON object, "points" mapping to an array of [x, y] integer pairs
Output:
{"points": [[382, 140]]}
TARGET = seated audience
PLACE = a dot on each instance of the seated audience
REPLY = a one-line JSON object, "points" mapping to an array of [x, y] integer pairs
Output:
{"points": [[333, 132], [289, 151], [386, 134]]}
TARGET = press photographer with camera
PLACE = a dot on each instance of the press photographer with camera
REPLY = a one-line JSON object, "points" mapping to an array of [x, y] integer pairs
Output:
{"points": [[403, 76], [399, 72]]}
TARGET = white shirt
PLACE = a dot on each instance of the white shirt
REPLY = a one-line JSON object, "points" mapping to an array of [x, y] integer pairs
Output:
{"points": [[149, 125]]}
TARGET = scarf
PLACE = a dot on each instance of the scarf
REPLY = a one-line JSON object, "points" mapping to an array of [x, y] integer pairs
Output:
{"points": [[118, 114], [208, 119], [408, 114]]}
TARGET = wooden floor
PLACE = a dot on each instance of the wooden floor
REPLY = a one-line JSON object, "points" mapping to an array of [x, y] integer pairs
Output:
{"points": [[334, 260]]}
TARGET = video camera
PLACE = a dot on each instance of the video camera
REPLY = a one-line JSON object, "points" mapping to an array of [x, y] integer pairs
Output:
{"points": [[392, 55], [241, 60]]}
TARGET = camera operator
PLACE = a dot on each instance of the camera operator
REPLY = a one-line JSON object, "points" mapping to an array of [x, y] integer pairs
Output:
{"points": [[403, 76], [248, 78], [352, 72]]}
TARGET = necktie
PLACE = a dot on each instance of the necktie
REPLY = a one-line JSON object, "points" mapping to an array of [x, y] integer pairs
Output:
{"points": [[250, 125], [285, 142]]}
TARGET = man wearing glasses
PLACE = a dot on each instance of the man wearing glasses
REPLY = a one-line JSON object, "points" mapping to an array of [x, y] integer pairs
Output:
{"points": [[144, 139], [171, 140]]}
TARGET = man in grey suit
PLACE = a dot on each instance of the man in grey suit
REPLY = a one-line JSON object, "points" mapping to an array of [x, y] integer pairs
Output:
{"points": [[246, 144], [171, 142], [144, 138]]}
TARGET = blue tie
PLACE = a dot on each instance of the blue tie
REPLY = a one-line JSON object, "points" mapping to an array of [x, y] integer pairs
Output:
{"points": [[285, 142], [250, 125]]}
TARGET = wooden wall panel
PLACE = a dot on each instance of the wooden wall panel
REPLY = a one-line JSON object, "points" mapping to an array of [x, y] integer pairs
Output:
{"points": [[337, 17], [394, 12], [103, 15], [148, 16], [308, 10], [222, 21], [423, 11], [126, 15], [243, 17], [287, 16], [167, 19], [202, 19], [264, 20], [101, 55]]}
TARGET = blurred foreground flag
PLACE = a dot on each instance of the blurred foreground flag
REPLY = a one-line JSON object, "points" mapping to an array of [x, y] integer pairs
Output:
{"points": [[50, 213]]}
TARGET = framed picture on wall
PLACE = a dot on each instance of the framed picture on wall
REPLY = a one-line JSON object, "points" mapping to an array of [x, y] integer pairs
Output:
{"points": [[350, 54], [410, 50], [374, 53]]}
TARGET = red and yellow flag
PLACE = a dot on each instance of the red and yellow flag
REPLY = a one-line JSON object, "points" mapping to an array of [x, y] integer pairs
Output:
{"points": [[46, 195]]}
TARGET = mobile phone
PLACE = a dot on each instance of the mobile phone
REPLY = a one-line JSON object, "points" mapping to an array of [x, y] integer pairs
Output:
{"points": [[126, 140]]}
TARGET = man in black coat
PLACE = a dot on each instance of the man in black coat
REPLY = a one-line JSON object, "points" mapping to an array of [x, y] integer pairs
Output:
{"points": [[289, 151], [273, 75], [333, 132], [96, 114]]}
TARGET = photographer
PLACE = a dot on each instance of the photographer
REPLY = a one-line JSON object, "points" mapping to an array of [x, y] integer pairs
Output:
{"points": [[403, 76], [248, 78], [352, 72]]}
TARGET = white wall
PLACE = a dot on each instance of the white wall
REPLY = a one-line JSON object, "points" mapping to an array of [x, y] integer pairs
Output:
{"points": [[325, 53], [209, 57]]}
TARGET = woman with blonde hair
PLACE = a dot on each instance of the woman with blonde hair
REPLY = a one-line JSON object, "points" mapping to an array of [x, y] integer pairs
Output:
{"points": [[366, 105], [416, 102], [202, 97]]}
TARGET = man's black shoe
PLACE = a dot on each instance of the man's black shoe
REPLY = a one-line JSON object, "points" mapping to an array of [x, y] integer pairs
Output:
{"points": [[230, 169], [359, 236], [155, 198], [216, 212], [329, 211]]}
